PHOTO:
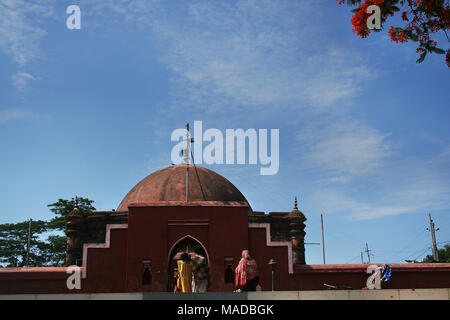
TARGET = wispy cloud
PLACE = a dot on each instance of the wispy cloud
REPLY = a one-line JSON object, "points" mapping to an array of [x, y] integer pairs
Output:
{"points": [[408, 186], [19, 28], [141, 13], [228, 55], [344, 149], [339, 202], [20, 33], [333, 79], [20, 80], [233, 57], [15, 114]]}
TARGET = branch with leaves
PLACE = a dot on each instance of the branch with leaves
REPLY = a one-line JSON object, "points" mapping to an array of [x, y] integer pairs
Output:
{"points": [[422, 18]]}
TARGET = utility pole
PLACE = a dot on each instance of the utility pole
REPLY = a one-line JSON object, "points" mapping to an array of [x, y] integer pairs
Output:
{"points": [[323, 242], [367, 251], [28, 243], [362, 258], [433, 239]]}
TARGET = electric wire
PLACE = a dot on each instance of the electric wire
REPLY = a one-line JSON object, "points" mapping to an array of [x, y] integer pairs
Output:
{"points": [[410, 242], [415, 252], [198, 177]]}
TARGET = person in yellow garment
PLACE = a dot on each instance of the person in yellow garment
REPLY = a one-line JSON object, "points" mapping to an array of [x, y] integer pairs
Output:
{"points": [[184, 279]]}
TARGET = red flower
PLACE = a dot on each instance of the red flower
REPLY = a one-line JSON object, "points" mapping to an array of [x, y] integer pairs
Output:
{"points": [[404, 16], [397, 36], [359, 22]]}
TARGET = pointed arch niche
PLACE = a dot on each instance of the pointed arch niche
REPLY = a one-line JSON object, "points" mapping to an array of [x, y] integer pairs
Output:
{"points": [[188, 244]]}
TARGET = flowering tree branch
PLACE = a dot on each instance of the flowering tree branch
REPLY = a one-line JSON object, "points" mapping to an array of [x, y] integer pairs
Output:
{"points": [[422, 18]]}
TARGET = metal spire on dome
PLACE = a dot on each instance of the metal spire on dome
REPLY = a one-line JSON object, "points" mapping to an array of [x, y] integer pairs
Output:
{"points": [[295, 203], [186, 158], [186, 152]]}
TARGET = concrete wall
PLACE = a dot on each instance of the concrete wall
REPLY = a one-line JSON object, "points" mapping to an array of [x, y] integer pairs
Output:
{"points": [[388, 294]]}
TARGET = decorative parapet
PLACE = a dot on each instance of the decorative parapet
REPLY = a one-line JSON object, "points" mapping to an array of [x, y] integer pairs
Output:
{"points": [[89, 227], [285, 226], [104, 245], [271, 243]]}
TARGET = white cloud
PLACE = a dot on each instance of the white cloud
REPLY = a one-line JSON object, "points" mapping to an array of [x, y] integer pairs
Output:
{"points": [[334, 201], [21, 79], [14, 114], [19, 30], [334, 79], [20, 33], [366, 211], [408, 186], [229, 55], [141, 13], [344, 149]]}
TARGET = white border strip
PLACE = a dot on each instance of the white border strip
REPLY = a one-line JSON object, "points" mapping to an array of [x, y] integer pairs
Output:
{"points": [[105, 245], [269, 243]]}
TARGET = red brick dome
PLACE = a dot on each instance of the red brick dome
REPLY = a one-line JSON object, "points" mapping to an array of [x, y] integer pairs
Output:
{"points": [[169, 184]]}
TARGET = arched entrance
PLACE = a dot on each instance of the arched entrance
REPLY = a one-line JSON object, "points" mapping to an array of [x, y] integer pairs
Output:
{"points": [[189, 245]]}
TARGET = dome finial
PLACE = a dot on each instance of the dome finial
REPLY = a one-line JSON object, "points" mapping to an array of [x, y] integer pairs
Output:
{"points": [[295, 203]]}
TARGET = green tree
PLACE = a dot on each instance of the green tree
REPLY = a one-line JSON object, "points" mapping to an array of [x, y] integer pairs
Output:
{"points": [[443, 253], [57, 243], [48, 252], [14, 243], [55, 250], [62, 208]]}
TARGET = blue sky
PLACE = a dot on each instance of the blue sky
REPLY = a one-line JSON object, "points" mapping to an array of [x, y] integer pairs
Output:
{"points": [[364, 134]]}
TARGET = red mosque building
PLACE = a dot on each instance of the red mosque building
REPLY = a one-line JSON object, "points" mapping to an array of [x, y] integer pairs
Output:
{"points": [[187, 208]]}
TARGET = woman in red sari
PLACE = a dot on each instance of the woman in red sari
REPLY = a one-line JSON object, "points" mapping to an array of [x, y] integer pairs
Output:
{"points": [[247, 277]]}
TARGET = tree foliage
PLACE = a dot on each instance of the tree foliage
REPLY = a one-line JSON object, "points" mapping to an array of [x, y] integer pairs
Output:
{"points": [[422, 19], [14, 243], [43, 252], [443, 254], [62, 208]]}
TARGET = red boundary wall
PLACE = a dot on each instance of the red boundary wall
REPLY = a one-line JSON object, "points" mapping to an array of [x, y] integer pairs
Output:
{"points": [[152, 231]]}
